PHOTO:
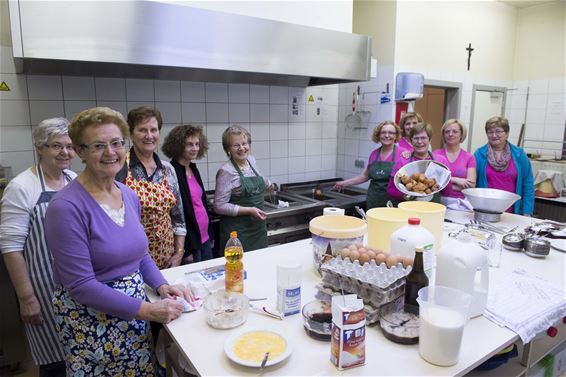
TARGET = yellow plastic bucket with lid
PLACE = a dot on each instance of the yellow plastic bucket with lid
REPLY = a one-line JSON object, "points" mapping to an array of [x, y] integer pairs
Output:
{"points": [[337, 231], [382, 222], [431, 215]]}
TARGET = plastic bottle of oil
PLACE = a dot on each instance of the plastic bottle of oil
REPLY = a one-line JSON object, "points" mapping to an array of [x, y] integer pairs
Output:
{"points": [[234, 254]]}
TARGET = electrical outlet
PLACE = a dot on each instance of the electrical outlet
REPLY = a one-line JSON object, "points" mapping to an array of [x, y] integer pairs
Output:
{"points": [[359, 163]]}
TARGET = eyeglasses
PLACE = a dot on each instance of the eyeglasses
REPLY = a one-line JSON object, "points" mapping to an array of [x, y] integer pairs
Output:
{"points": [[238, 146], [421, 138], [115, 145], [59, 147], [495, 132], [387, 133]]}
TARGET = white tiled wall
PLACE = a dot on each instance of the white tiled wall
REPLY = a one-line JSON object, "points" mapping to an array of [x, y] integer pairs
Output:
{"points": [[288, 147], [545, 107]]}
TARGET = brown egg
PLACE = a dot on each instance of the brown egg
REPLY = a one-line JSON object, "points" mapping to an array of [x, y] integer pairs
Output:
{"points": [[380, 258], [345, 253], [387, 253], [354, 255], [364, 258], [407, 261], [362, 250], [371, 254], [391, 261], [353, 247], [399, 259]]}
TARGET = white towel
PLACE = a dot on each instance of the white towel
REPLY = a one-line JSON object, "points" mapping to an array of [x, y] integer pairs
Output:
{"points": [[525, 304]]}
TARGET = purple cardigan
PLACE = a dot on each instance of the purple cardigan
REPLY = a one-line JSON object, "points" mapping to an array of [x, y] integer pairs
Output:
{"points": [[89, 248]]}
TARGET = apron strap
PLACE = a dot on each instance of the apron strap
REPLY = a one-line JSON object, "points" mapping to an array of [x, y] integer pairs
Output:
{"points": [[40, 175]]}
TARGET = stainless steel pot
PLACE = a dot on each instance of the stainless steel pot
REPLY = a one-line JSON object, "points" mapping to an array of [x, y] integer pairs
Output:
{"points": [[537, 247]]}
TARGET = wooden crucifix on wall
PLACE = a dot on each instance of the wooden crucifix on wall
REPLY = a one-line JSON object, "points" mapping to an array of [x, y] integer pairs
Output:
{"points": [[469, 49]]}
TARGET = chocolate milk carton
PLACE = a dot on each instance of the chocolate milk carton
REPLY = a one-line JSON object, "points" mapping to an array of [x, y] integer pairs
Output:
{"points": [[348, 342]]}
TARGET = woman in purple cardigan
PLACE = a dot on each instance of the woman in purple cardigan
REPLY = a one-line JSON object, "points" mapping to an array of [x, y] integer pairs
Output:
{"points": [[101, 261]]}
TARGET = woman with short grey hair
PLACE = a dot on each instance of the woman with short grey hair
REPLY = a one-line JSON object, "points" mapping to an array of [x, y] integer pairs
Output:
{"points": [[238, 197], [22, 240]]}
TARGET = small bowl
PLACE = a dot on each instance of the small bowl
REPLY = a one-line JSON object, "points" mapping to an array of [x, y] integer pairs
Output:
{"points": [[317, 316], [225, 310], [514, 241]]}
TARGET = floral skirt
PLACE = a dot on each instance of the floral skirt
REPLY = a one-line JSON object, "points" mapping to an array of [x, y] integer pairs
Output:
{"points": [[99, 344]]}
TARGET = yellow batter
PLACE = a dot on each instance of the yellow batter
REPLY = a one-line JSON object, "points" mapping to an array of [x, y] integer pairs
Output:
{"points": [[252, 346]]}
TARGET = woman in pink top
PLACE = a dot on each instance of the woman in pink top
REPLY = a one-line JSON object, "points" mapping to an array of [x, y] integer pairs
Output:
{"points": [[408, 121], [379, 167], [183, 145], [420, 135], [461, 163]]}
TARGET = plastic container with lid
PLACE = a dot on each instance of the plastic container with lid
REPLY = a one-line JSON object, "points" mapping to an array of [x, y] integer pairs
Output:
{"points": [[382, 222], [431, 215], [404, 241], [289, 288], [330, 234]]}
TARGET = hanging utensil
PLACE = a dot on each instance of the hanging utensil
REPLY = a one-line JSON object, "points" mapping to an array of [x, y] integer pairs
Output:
{"points": [[354, 120]]}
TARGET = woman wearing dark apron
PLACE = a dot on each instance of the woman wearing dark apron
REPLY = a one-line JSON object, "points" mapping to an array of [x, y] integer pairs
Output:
{"points": [[239, 193], [380, 164], [22, 240], [420, 135]]}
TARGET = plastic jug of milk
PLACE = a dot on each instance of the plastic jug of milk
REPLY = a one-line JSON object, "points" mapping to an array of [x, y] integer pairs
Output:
{"points": [[462, 265], [404, 241]]}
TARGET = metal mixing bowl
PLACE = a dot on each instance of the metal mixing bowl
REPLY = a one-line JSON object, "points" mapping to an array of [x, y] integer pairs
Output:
{"points": [[490, 200], [419, 167]]}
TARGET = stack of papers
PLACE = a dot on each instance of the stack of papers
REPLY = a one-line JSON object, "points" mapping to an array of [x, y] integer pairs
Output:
{"points": [[525, 304]]}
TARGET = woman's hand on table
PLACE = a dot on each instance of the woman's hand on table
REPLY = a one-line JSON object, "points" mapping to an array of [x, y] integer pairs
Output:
{"points": [[177, 290], [30, 311], [254, 212], [162, 311]]}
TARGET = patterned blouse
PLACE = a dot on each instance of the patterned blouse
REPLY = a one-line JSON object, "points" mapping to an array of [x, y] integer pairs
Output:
{"points": [[164, 169]]}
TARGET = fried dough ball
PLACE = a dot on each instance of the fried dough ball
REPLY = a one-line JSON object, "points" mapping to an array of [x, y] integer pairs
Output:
{"points": [[405, 179]]}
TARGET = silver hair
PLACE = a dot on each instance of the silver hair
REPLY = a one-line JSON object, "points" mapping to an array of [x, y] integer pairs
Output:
{"points": [[49, 128]]}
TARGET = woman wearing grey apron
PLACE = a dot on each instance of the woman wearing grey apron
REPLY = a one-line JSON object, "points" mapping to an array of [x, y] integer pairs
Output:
{"points": [[420, 135], [379, 167], [238, 197], [22, 240]]}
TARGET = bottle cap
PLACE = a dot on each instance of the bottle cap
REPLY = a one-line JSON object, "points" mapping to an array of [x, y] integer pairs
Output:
{"points": [[414, 221], [233, 234]]}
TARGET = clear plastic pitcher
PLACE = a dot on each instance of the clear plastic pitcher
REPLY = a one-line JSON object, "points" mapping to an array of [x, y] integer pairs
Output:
{"points": [[443, 314]]}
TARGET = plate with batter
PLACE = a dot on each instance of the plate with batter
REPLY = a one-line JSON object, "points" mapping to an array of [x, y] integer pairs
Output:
{"points": [[248, 347]]}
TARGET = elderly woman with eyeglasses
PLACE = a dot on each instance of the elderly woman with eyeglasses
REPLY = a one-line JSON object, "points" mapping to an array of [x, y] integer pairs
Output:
{"points": [[420, 135], [501, 165], [380, 164], [155, 182], [461, 163], [22, 240], [101, 261], [185, 144], [240, 187]]}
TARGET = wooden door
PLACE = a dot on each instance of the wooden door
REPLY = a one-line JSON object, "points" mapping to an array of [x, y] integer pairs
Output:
{"points": [[432, 108]]}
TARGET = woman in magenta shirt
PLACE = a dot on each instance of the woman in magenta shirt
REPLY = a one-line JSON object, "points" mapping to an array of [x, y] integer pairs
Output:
{"points": [[183, 145], [461, 163], [379, 167], [420, 135], [408, 121]]}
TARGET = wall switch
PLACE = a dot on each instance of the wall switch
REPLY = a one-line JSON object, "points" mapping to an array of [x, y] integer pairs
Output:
{"points": [[359, 163]]}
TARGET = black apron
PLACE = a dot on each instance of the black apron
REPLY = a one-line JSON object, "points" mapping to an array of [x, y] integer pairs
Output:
{"points": [[379, 173], [252, 232]]}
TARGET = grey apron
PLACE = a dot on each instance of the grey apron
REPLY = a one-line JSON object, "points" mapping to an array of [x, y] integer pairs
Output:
{"points": [[43, 339]]}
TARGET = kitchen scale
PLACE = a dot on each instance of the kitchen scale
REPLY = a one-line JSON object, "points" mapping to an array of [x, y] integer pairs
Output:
{"points": [[487, 216], [489, 204]]}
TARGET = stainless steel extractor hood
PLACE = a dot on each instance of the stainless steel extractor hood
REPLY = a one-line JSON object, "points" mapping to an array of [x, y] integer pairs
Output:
{"points": [[155, 40]]}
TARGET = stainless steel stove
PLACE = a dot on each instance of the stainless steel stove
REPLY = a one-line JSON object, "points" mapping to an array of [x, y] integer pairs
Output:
{"points": [[289, 221]]}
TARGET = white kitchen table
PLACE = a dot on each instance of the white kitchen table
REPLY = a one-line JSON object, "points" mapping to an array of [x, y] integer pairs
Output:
{"points": [[203, 347]]}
